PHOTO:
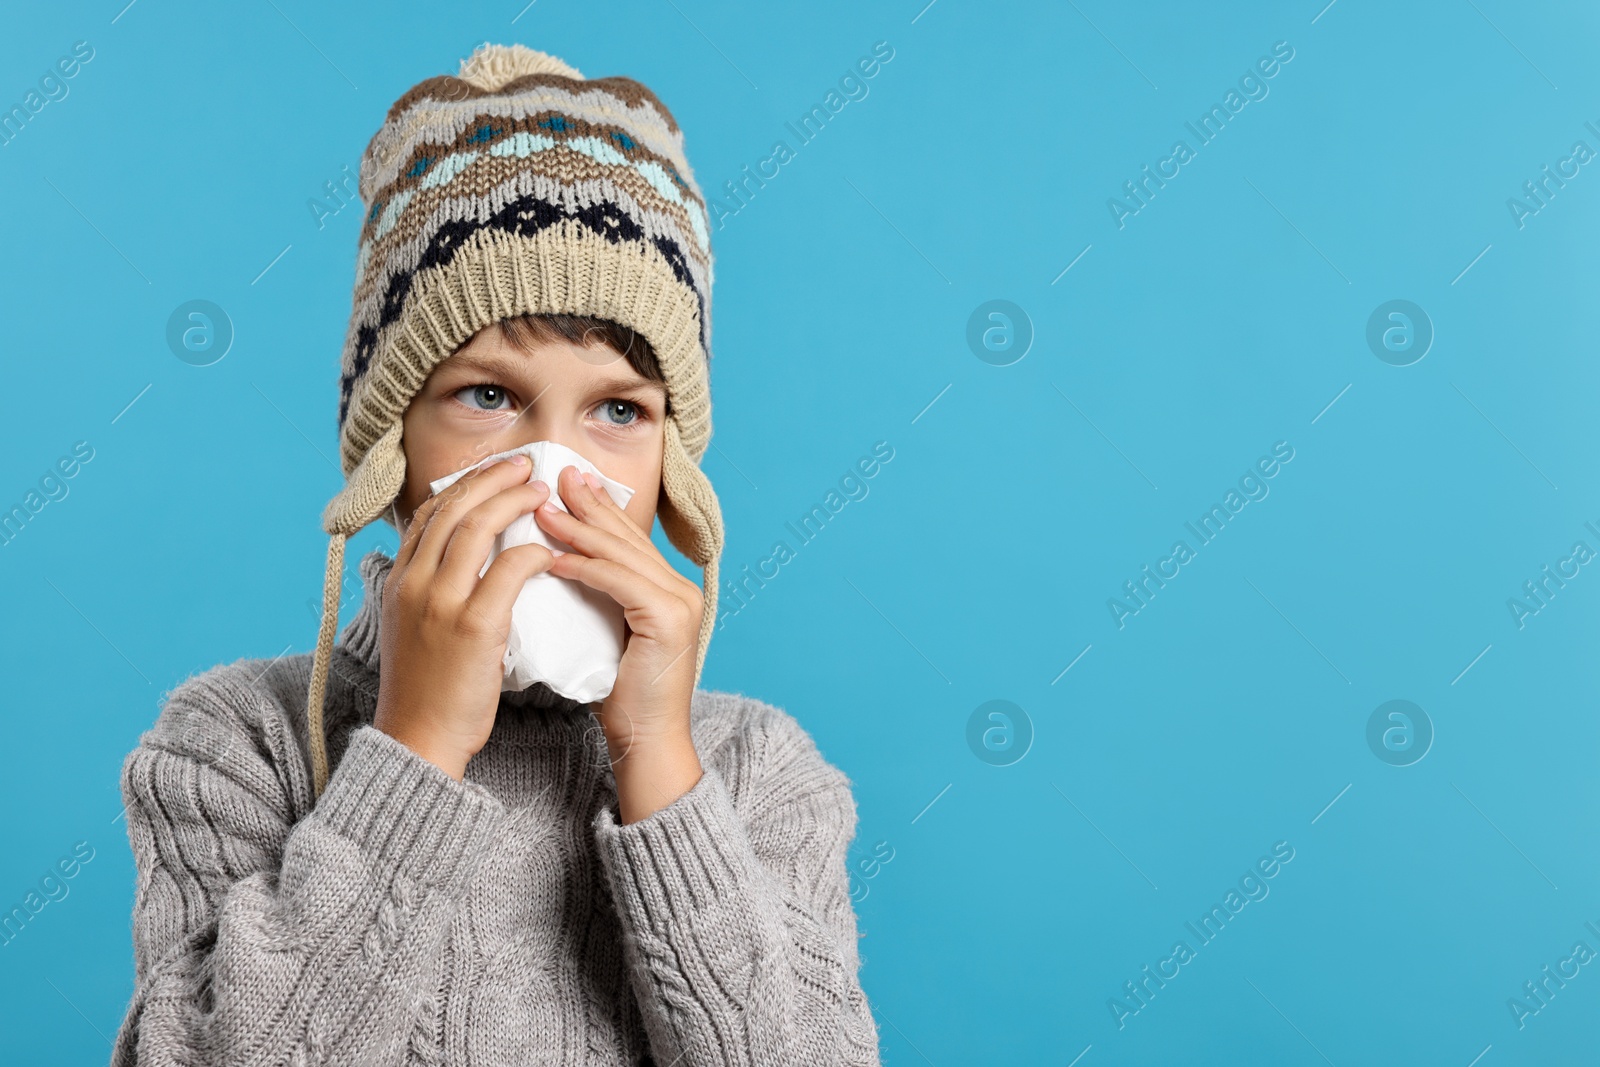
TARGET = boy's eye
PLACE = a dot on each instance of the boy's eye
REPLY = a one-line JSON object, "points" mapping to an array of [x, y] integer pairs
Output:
{"points": [[619, 412], [489, 396], [486, 396]]}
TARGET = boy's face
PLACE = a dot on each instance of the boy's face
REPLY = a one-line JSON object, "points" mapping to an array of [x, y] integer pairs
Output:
{"points": [[490, 396]]}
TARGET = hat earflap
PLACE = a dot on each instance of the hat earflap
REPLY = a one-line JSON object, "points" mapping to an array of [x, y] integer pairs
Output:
{"points": [[692, 519], [368, 492]]}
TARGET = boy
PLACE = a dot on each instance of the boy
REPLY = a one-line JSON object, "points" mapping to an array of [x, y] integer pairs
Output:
{"points": [[488, 878]]}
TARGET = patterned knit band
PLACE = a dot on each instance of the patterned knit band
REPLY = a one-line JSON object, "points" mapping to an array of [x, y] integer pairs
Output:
{"points": [[519, 187]]}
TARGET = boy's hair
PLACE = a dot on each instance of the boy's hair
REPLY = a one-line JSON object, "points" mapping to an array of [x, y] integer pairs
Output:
{"points": [[526, 331]]}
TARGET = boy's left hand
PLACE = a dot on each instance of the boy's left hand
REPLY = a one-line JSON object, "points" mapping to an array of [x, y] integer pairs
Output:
{"points": [[646, 716]]}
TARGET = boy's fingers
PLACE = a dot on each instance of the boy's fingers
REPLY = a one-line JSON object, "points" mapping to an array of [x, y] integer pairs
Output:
{"points": [[476, 530], [595, 507], [497, 590], [591, 540], [455, 501], [628, 587], [597, 532], [419, 518], [623, 522]]}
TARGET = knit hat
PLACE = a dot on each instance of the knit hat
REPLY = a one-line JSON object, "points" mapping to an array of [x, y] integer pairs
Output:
{"points": [[519, 187]]}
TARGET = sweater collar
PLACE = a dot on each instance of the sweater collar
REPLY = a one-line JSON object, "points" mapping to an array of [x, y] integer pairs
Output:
{"points": [[362, 637]]}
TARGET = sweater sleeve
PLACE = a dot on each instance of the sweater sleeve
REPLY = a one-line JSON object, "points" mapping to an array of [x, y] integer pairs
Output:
{"points": [[259, 939], [738, 928]]}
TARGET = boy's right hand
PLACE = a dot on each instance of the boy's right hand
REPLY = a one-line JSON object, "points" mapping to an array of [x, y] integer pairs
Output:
{"points": [[444, 629]]}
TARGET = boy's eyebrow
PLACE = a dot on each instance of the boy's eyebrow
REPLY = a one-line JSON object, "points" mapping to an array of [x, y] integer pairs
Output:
{"points": [[500, 367]]}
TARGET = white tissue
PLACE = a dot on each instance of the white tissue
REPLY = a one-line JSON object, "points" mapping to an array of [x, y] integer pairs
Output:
{"points": [[563, 633]]}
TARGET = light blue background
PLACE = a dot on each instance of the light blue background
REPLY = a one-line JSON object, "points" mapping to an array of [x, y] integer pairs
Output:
{"points": [[1225, 316]]}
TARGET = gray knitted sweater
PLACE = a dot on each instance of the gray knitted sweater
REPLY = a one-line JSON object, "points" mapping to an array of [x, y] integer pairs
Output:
{"points": [[407, 918]]}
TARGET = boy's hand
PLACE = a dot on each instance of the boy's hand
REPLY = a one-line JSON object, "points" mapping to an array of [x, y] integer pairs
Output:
{"points": [[444, 628], [646, 717]]}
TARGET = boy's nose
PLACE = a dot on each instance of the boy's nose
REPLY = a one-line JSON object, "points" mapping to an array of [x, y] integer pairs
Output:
{"points": [[560, 437], [539, 421]]}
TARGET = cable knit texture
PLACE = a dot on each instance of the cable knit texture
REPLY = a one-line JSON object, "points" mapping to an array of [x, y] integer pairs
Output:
{"points": [[407, 918]]}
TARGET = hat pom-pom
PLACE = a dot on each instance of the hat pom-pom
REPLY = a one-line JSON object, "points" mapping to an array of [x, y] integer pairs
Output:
{"points": [[492, 65]]}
